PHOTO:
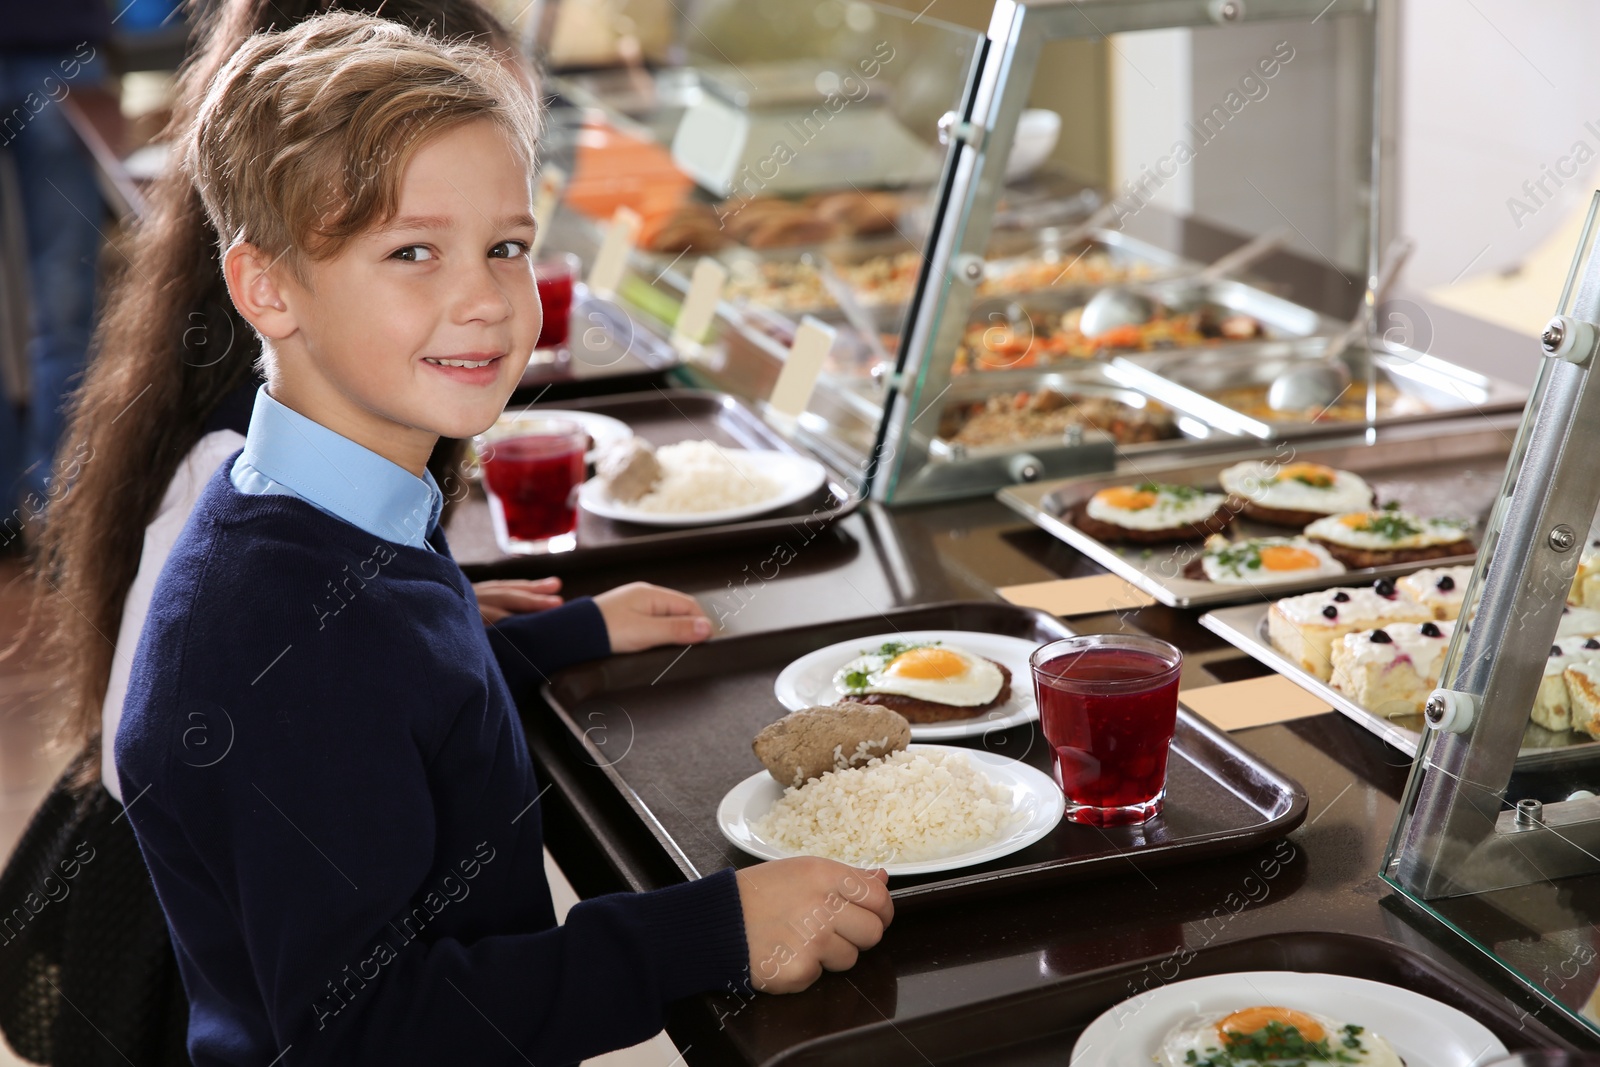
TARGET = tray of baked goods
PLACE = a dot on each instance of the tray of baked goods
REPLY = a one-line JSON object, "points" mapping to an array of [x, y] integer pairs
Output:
{"points": [[1239, 526], [907, 739], [1374, 652], [1228, 388]]}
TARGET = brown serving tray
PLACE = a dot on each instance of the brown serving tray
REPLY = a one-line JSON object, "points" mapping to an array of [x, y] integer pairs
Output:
{"points": [[1040, 1026], [671, 729], [662, 417]]}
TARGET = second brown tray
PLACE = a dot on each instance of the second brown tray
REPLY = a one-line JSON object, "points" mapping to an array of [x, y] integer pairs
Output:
{"points": [[671, 729], [662, 417]]}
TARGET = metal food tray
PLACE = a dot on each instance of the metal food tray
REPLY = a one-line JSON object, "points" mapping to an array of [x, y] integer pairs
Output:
{"points": [[1433, 474], [671, 729], [662, 417], [1245, 628], [1085, 379], [1186, 381]]}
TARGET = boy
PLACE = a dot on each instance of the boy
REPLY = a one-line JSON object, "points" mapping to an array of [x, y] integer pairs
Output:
{"points": [[337, 808]]}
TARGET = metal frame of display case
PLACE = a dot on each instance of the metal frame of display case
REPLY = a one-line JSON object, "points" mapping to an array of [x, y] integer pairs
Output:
{"points": [[969, 191]]}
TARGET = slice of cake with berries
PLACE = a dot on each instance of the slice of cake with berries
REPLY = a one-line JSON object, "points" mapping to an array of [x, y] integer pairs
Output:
{"points": [[1552, 705], [1439, 589], [1586, 583], [1583, 689], [1392, 669], [1305, 628], [1388, 536]]}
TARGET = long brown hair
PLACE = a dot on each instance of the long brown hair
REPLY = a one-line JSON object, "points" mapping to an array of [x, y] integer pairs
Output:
{"points": [[169, 348]]}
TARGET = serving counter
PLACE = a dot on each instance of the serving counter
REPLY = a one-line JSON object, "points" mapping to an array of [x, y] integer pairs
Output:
{"points": [[1013, 978]]}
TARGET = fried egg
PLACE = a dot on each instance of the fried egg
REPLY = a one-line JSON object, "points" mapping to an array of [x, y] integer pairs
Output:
{"points": [[1259, 560], [939, 673], [1297, 487], [1154, 507], [1270, 1034], [1388, 530]]}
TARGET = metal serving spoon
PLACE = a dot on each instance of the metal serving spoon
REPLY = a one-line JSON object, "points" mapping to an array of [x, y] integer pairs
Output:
{"points": [[1320, 382], [1120, 306]]}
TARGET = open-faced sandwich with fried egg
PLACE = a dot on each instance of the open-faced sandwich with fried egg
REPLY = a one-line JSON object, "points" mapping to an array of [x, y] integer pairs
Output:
{"points": [[1269, 1036], [1389, 535], [924, 682], [1152, 513], [1261, 561], [1293, 494]]}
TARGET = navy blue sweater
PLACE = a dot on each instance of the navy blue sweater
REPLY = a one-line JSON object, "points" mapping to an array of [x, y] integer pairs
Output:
{"points": [[342, 822]]}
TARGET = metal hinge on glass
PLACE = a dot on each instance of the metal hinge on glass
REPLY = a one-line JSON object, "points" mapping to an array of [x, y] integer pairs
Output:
{"points": [[953, 128], [1570, 339]]}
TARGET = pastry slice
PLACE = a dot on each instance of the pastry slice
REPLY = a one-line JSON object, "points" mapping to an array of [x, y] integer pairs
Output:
{"points": [[1305, 628], [1552, 705], [1392, 669], [1439, 589], [1583, 688]]}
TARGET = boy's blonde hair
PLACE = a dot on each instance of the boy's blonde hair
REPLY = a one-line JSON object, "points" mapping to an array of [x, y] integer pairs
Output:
{"points": [[304, 133]]}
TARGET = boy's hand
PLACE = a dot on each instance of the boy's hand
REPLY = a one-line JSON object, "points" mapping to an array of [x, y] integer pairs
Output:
{"points": [[513, 596], [640, 616], [805, 915]]}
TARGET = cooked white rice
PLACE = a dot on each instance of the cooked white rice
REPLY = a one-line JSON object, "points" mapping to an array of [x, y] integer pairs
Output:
{"points": [[903, 808], [700, 476]]}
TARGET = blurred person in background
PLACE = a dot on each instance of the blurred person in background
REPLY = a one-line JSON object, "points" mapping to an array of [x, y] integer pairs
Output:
{"points": [[51, 216]]}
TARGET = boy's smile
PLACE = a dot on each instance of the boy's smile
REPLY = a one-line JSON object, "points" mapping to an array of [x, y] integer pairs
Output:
{"points": [[420, 327]]}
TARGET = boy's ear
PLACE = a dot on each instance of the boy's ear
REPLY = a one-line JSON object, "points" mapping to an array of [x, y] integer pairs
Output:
{"points": [[253, 284]]}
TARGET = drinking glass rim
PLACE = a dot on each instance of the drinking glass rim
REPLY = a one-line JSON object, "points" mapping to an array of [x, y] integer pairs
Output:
{"points": [[1169, 653], [512, 430]]}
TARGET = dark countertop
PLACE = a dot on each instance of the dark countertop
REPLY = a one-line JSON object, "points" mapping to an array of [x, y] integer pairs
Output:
{"points": [[934, 959]]}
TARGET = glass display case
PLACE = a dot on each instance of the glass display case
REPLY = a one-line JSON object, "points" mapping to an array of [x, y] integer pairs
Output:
{"points": [[1017, 242], [1499, 834]]}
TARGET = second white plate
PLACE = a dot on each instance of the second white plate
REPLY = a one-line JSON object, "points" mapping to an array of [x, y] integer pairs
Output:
{"points": [[1424, 1032], [808, 681], [801, 476]]}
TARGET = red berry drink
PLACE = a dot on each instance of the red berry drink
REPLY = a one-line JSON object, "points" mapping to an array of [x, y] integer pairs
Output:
{"points": [[532, 483], [555, 279], [1108, 705]]}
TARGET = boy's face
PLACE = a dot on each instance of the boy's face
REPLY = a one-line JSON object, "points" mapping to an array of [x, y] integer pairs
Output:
{"points": [[384, 326]]}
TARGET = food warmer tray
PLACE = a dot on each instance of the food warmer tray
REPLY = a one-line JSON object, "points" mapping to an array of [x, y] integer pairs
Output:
{"points": [[1245, 628], [1434, 474], [1038, 1026], [671, 729], [662, 417], [1186, 381], [610, 353]]}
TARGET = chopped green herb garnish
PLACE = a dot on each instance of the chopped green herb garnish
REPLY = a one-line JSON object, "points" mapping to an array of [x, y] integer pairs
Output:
{"points": [[1390, 525], [1182, 493], [1278, 1043], [855, 681]]}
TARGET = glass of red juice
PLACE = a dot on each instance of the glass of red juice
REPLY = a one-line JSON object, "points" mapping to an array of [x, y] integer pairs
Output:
{"points": [[531, 476], [1108, 704], [555, 278]]}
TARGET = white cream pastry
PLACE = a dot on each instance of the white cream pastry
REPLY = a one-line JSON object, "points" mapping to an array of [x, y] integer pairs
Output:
{"points": [[1304, 628], [1153, 506], [1552, 705], [1586, 583], [1439, 589], [1297, 487], [1263, 560], [1388, 531], [1392, 669], [1578, 621], [1583, 689]]}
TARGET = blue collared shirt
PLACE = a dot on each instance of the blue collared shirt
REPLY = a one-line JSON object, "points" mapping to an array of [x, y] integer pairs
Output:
{"points": [[287, 453]]}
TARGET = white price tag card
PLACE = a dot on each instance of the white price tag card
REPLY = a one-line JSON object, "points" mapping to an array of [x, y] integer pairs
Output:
{"points": [[792, 391], [705, 290], [611, 262], [546, 195]]}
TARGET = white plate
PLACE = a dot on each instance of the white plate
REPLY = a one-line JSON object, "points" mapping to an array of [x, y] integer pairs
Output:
{"points": [[1424, 1032], [808, 681], [603, 429], [801, 476], [1034, 796]]}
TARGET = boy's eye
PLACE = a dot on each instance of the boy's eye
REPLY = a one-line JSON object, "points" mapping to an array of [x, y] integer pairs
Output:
{"points": [[412, 254], [509, 249]]}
